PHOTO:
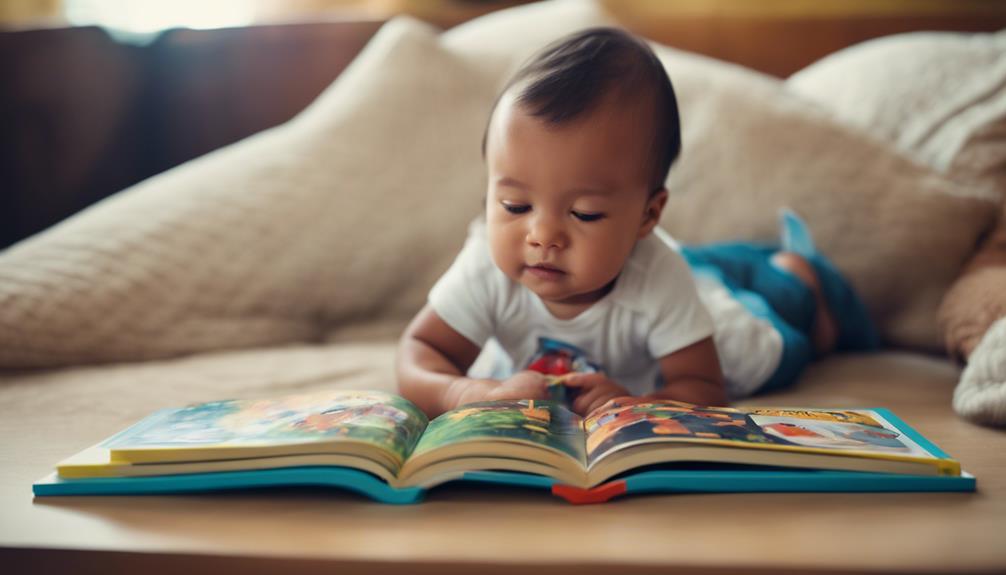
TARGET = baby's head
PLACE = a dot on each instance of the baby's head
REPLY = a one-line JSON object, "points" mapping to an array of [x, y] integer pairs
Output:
{"points": [[578, 148]]}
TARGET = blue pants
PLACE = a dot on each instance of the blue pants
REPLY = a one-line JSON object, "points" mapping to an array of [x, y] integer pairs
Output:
{"points": [[768, 292], [779, 297]]}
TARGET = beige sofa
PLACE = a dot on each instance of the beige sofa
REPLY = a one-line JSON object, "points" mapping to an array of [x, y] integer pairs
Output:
{"points": [[290, 261]]}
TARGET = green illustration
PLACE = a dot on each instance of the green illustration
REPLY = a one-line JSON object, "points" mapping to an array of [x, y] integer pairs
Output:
{"points": [[545, 423], [380, 419]]}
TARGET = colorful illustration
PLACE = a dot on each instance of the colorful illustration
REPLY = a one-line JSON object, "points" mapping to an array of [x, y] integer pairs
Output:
{"points": [[842, 416], [632, 421], [381, 419], [832, 434], [622, 422], [545, 423], [558, 359]]}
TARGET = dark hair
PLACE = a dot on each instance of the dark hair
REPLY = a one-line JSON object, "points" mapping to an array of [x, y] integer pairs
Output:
{"points": [[570, 77]]}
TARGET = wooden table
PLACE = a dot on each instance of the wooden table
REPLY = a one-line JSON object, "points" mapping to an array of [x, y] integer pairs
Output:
{"points": [[469, 528]]}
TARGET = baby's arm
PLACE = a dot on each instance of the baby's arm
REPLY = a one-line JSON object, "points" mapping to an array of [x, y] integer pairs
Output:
{"points": [[693, 375], [432, 362]]}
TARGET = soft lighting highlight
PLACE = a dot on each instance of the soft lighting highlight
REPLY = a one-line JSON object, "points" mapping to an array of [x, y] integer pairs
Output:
{"points": [[146, 16]]}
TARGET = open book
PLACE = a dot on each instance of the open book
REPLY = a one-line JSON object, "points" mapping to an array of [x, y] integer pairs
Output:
{"points": [[383, 445]]}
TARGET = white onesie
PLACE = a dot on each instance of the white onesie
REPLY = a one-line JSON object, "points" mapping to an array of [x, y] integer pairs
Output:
{"points": [[652, 311]]}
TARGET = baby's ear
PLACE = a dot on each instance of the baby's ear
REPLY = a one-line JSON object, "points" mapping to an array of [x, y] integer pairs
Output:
{"points": [[651, 216]]}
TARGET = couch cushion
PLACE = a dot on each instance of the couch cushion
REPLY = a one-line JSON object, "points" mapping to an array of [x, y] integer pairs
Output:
{"points": [[347, 213], [350, 211], [750, 147], [940, 97], [274, 238], [499, 42]]}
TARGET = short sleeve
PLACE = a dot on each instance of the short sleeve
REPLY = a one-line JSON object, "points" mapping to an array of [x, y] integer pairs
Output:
{"points": [[464, 297], [680, 318]]}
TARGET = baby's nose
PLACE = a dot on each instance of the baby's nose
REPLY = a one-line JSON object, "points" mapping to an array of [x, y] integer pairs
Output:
{"points": [[546, 233]]}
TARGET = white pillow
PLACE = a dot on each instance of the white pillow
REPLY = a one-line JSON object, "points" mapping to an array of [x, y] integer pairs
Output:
{"points": [[499, 42], [940, 97], [898, 230]]}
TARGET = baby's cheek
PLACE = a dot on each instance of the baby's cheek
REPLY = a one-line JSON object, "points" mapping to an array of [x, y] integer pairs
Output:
{"points": [[503, 255]]}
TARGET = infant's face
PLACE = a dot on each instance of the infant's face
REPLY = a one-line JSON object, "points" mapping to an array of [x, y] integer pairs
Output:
{"points": [[566, 204]]}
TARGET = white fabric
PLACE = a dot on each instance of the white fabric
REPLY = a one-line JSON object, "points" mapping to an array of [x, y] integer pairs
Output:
{"points": [[652, 311], [981, 394], [749, 347]]}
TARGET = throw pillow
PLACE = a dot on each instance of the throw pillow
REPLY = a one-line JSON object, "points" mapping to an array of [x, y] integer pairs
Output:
{"points": [[750, 147], [348, 211], [346, 214], [940, 97]]}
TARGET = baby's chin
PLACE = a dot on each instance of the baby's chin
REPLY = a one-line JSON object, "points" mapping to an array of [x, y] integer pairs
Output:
{"points": [[563, 295], [546, 289]]}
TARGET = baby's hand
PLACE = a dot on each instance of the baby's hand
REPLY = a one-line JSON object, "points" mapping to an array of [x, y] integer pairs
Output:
{"points": [[522, 385], [593, 391]]}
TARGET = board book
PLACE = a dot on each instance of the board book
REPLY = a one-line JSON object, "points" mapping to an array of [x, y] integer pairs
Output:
{"points": [[383, 446]]}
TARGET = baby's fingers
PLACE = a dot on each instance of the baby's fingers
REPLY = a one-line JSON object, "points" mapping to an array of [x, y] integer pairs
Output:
{"points": [[516, 392], [584, 380], [586, 402], [524, 385]]}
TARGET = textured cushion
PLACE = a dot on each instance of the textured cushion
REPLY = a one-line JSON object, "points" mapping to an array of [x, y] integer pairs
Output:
{"points": [[346, 214], [978, 298], [274, 238], [940, 97], [499, 42], [971, 306], [981, 394], [750, 146]]}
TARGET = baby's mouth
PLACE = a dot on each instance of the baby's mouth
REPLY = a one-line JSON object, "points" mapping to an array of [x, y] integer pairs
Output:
{"points": [[545, 271]]}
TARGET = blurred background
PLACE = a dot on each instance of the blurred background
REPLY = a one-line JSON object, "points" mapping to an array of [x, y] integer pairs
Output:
{"points": [[96, 95]]}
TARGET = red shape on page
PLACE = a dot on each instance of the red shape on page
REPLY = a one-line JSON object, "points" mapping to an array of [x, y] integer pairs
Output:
{"points": [[555, 363], [581, 496]]}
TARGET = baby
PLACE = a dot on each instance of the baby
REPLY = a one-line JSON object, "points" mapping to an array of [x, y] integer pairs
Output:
{"points": [[569, 260]]}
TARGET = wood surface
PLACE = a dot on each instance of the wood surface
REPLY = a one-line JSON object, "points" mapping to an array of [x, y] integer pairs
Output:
{"points": [[500, 530]]}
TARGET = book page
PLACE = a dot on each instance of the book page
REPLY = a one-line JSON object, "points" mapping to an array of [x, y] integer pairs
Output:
{"points": [[859, 430], [625, 423], [381, 420], [547, 424]]}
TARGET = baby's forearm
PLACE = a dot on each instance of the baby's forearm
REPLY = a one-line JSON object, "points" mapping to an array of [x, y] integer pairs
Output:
{"points": [[428, 379], [693, 390]]}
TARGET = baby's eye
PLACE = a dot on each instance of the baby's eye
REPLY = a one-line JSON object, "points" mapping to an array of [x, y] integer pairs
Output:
{"points": [[587, 216], [516, 208]]}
